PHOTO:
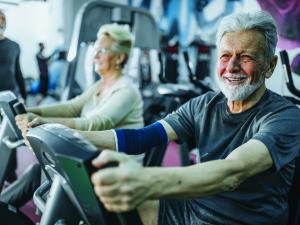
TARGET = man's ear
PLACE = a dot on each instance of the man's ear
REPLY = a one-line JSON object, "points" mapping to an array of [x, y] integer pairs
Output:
{"points": [[272, 66]]}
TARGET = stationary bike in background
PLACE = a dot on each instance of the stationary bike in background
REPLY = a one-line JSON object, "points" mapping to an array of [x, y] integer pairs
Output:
{"points": [[289, 78], [10, 135], [294, 194], [10, 139], [166, 96], [197, 79], [197, 59]]}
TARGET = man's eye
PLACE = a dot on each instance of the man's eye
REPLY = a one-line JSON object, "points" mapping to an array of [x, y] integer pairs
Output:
{"points": [[225, 58], [246, 58]]}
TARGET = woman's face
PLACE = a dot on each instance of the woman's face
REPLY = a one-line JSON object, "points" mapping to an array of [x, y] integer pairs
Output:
{"points": [[106, 61]]}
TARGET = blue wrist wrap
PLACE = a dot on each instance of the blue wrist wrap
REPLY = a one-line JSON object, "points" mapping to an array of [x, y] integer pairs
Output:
{"points": [[137, 141]]}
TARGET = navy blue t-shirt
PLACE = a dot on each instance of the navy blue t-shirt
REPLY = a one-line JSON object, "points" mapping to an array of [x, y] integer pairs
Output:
{"points": [[261, 199]]}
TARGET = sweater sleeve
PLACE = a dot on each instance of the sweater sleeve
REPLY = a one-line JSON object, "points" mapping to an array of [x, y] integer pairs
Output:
{"points": [[108, 115], [70, 108]]}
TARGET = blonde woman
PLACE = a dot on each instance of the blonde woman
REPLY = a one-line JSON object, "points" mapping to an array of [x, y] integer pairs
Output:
{"points": [[112, 102]]}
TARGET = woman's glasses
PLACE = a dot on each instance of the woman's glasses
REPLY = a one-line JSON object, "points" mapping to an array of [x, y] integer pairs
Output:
{"points": [[102, 51]]}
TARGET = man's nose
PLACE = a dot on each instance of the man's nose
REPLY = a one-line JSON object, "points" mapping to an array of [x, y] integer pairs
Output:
{"points": [[233, 65]]}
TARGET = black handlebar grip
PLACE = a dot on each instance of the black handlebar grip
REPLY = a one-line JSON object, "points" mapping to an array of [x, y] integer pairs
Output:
{"points": [[19, 108], [91, 169]]}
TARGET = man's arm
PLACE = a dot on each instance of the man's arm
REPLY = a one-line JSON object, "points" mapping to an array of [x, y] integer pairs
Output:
{"points": [[107, 140], [194, 181], [101, 139], [214, 176]]}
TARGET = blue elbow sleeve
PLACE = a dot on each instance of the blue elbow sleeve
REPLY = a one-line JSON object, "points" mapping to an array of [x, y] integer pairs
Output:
{"points": [[137, 141]]}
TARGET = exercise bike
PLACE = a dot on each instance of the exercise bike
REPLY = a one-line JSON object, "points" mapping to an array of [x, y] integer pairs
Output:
{"points": [[10, 136], [67, 196]]}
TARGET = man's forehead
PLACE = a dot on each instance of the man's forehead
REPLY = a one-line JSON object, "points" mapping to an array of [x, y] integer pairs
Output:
{"points": [[244, 41]]}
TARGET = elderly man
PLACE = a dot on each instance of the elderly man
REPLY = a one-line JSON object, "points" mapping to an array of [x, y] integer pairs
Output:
{"points": [[248, 138]]}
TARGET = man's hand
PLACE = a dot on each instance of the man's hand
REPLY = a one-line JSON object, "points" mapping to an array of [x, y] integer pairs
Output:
{"points": [[122, 188]]}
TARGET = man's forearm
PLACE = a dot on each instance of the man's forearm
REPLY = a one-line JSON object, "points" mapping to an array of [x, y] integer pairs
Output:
{"points": [[102, 139], [194, 181], [210, 177]]}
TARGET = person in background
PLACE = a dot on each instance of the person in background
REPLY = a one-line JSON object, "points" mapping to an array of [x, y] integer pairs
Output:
{"points": [[57, 72], [112, 102], [42, 62], [10, 75], [248, 139], [10, 71]]}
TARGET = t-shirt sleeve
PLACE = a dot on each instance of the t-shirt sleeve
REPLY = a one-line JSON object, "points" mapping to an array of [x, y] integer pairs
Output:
{"points": [[280, 132], [182, 121]]}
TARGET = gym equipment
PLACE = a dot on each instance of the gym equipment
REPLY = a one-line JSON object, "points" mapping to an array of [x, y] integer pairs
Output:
{"points": [[162, 99], [10, 135], [294, 193], [13, 216], [66, 159], [169, 58], [289, 78], [193, 76], [88, 21]]}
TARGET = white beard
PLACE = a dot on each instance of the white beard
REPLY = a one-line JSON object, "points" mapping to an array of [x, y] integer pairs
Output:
{"points": [[239, 92]]}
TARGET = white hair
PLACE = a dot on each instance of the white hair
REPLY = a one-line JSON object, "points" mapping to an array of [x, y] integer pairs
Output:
{"points": [[120, 34], [260, 21]]}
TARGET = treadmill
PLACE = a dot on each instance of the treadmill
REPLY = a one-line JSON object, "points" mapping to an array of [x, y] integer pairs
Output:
{"points": [[66, 159]]}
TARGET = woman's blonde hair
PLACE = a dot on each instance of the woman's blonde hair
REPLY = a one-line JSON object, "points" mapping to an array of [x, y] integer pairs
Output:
{"points": [[120, 34]]}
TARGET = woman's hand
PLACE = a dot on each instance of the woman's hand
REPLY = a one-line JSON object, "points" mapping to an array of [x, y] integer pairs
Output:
{"points": [[36, 122], [122, 188], [23, 120]]}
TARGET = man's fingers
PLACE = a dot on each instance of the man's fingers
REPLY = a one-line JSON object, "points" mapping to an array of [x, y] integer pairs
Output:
{"points": [[107, 191], [108, 156], [104, 177], [118, 204]]}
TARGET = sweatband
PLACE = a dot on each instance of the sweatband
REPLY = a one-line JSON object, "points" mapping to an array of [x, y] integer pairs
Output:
{"points": [[137, 141]]}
